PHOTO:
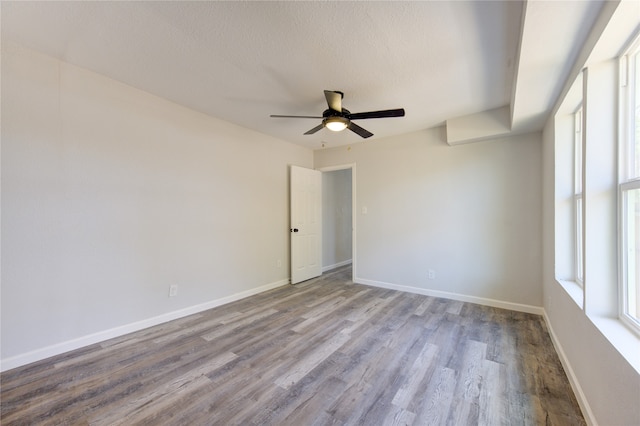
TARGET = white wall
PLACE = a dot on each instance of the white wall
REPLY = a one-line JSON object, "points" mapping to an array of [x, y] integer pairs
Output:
{"points": [[336, 218], [471, 213], [110, 195]]}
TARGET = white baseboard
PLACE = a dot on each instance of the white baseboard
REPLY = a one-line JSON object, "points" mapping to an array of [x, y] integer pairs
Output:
{"points": [[336, 265], [101, 336], [455, 296], [573, 380]]}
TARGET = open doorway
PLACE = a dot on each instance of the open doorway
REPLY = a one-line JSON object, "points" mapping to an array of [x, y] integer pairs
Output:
{"points": [[338, 219]]}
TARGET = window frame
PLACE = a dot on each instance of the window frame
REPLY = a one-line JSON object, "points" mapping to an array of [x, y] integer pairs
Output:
{"points": [[625, 316], [629, 176], [578, 196]]}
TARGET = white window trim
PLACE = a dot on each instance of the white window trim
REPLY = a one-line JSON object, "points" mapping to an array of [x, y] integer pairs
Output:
{"points": [[578, 197], [627, 319], [626, 164]]}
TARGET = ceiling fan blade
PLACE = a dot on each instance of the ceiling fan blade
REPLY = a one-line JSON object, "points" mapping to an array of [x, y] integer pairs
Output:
{"points": [[334, 99], [315, 129], [378, 114], [294, 116], [359, 130]]}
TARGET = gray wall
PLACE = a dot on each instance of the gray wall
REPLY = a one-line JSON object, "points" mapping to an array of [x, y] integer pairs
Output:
{"points": [[111, 195], [471, 213], [336, 218]]}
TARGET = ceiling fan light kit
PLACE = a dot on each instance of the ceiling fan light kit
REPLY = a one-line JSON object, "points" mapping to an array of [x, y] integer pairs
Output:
{"points": [[337, 118], [336, 124]]}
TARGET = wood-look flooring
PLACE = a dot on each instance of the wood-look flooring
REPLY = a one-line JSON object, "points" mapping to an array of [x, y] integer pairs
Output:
{"points": [[324, 352]]}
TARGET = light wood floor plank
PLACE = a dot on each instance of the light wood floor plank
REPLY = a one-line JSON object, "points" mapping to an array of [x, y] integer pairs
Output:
{"points": [[434, 407]]}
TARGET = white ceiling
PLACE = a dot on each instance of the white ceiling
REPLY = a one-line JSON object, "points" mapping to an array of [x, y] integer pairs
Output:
{"points": [[242, 61]]}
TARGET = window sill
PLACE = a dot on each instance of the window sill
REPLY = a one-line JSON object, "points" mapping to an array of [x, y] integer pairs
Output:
{"points": [[574, 291], [621, 337]]}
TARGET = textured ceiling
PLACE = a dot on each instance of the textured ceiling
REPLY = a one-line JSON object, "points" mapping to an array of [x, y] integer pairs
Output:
{"points": [[242, 61]]}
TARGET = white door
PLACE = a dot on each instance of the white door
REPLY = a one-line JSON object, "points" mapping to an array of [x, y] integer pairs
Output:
{"points": [[306, 224]]}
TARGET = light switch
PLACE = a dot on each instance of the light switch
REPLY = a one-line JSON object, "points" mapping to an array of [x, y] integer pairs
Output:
{"points": [[364, 210]]}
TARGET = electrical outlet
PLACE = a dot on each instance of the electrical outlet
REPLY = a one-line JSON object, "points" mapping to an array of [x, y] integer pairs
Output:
{"points": [[432, 274], [279, 263], [173, 290]]}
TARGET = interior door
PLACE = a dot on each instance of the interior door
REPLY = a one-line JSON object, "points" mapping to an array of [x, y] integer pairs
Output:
{"points": [[306, 224]]}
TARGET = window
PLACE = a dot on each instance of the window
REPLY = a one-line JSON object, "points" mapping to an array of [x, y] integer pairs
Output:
{"points": [[629, 188], [578, 206], [568, 132]]}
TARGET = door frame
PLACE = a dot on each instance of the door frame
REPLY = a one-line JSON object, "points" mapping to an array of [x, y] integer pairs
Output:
{"points": [[354, 215]]}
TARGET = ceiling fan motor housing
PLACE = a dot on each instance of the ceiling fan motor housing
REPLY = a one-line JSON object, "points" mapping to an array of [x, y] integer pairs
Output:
{"points": [[333, 113]]}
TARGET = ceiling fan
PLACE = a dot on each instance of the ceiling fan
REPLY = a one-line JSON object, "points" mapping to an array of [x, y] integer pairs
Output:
{"points": [[337, 118]]}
